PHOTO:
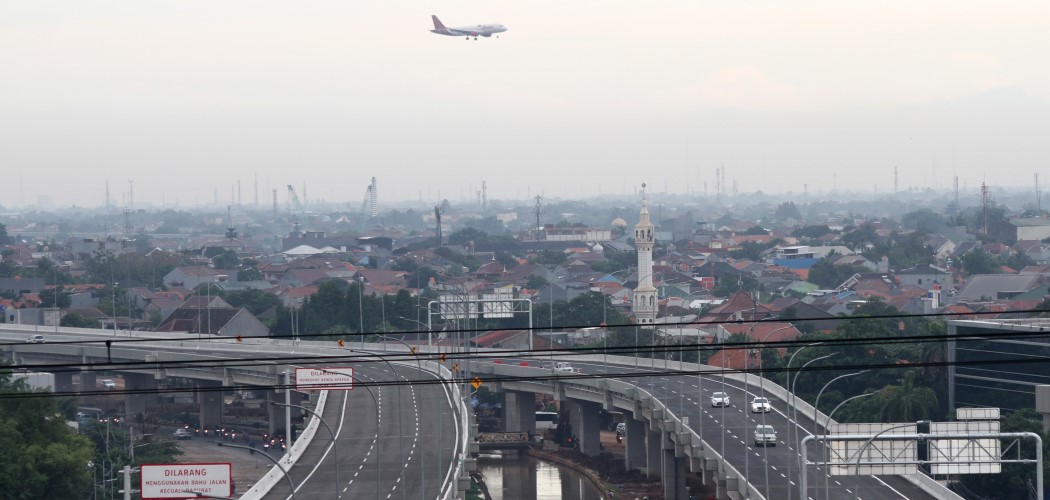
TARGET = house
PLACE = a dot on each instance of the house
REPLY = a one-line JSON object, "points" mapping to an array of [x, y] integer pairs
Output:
{"points": [[993, 287], [213, 316], [924, 276], [191, 277]]}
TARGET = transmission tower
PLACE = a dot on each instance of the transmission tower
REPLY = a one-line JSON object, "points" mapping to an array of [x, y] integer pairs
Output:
{"points": [[1038, 195], [984, 208], [437, 217]]}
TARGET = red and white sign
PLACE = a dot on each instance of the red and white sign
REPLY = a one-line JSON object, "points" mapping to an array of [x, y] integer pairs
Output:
{"points": [[319, 379], [186, 480]]}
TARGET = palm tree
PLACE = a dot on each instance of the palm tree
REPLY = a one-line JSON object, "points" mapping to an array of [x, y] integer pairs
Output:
{"points": [[907, 402]]}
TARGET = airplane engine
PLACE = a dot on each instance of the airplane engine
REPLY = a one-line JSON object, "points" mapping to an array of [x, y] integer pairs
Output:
{"points": [[486, 35]]}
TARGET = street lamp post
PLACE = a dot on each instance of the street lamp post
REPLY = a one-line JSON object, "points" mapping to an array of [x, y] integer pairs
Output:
{"points": [[794, 409], [827, 422], [761, 386], [422, 464], [268, 457], [400, 424], [335, 449], [816, 423], [361, 310], [375, 402]]}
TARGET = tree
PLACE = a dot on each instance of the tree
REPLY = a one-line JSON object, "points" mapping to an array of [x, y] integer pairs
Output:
{"points": [[811, 231], [56, 297], [536, 282], [76, 320], [50, 462], [980, 262], [1015, 480], [226, 260], [4, 238], [907, 401], [756, 231]]}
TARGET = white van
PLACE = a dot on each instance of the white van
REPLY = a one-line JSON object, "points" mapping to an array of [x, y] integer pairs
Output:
{"points": [[564, 367], [546, 420]]}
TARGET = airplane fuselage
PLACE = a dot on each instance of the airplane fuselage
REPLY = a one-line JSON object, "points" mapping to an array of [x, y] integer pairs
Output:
{"points": [[485, 30]]}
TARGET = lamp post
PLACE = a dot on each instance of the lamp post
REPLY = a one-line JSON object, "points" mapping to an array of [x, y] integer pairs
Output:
{"points": [[335, 449], [827, 422], [268, 457], [422, 465], [794, 410], [761, 387], [375, 402], [361, 310], [816, 423], [400, 424]]}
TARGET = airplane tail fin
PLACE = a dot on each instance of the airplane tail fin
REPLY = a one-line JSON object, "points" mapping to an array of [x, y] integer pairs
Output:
{"points": [[437, 24]]}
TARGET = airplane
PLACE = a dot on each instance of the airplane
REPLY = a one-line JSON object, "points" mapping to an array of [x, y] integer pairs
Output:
{"points": [[485, 30]]}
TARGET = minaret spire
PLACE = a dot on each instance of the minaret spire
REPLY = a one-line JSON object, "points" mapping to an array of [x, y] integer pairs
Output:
{"points": [[645, 304]]}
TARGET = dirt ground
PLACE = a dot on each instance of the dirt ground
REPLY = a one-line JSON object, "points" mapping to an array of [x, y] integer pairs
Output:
{"points": [[246, 468], [609, 468]]}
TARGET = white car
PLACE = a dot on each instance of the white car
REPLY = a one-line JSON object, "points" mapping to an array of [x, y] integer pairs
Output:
{"points": [[760, 405], [720, 399], [765, 435], [109, 384], [564, 367], [180, 434], [36, 339]]}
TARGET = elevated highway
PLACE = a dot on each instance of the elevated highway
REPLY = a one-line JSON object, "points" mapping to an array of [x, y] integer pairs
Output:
{"points": [[392, 439], [670, 430]]}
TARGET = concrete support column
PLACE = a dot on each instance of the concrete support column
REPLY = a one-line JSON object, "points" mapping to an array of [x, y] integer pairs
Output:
{"points": [[88, 381], [654, 453], [634, 453], [519, 413], [142, 393], [673, 476], [273, 417], [63, 382], [585, 418], [209, 400]]}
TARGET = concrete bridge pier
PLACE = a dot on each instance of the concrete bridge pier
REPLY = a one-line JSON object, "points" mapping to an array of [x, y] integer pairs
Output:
{"points": [[653, 453], [585, 418], [634, 452], [209, 400], [519, 413], [88, 381], [142, 392], [63, 382], [673, 476]]}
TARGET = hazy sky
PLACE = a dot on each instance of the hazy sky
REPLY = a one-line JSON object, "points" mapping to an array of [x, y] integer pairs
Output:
{"points": [[576, 99]]}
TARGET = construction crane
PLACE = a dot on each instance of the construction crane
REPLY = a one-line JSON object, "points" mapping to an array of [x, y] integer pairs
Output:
{"points": [[295, 208]]}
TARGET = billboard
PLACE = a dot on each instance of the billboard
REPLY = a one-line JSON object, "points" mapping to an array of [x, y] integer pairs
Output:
{"points": [[191, 480], [874, 456], [454, 307], [974, 455], [339, 378], [497, 305]]}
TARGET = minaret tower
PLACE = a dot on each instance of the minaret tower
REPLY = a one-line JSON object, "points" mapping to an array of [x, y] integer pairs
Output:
{"points": [[645, 305]]}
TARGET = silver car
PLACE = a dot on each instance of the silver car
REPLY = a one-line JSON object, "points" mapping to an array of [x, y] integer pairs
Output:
{"points": [[765, 435]]}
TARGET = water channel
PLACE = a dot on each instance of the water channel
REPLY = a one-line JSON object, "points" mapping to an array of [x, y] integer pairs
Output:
{"points": [[527, 478]]}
